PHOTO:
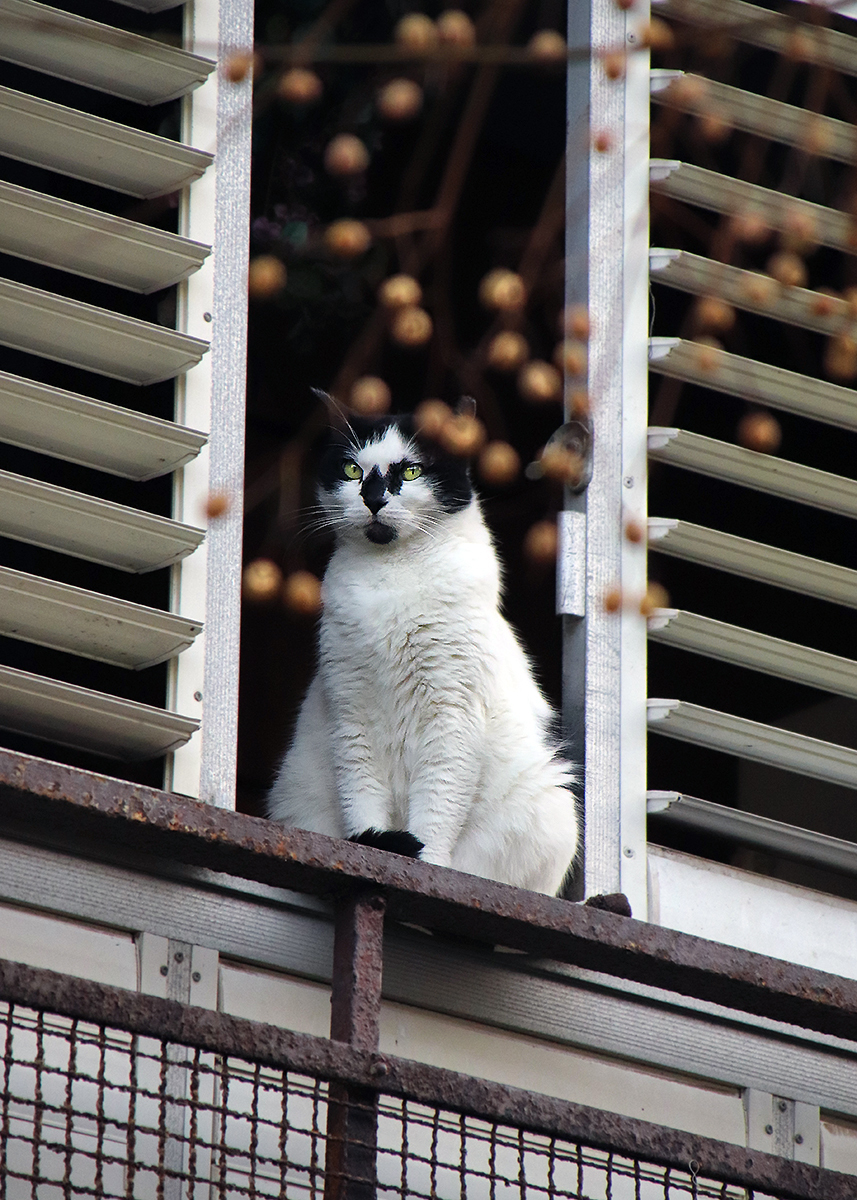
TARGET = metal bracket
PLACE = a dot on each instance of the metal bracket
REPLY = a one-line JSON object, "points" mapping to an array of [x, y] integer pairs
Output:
{"points": [[782, 1126]]}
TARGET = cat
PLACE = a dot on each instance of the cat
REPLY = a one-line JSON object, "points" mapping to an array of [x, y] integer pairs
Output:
{"points": [[423, 731]]}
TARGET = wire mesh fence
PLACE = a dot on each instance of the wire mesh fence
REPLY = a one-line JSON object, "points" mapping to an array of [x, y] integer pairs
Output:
{"points": [[87, 1109]]}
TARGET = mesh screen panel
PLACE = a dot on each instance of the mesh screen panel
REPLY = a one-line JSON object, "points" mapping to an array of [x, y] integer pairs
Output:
{"points": [[91, 1110]]}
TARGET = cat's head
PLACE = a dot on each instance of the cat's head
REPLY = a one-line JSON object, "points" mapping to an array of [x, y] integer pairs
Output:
{"points": [[380, 480]]}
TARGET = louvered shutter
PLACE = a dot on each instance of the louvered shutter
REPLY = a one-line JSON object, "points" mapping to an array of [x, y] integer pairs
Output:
{"points": [[87, 336], [608, 703]]}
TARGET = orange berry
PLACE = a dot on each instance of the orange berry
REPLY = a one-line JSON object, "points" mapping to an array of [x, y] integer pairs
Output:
{"points": [[400, 100], [688, 90], [823, 303], [561, 465], [656, 596], [462, 434], [759, 431], [400, 291], [749, 227], [416, 33], [602, 141], [760, 289], [548, 46], [261, 580], [840, 358], [612, 600], [347, 238], [216, 505], [571, 357], [266, 276], [707, 354], [614, 63], [370, 396], [541, 543], [657, 35], [411, 326], [499, 463], [299, 86], [239, 65], [800, 231], [455, 28], [634, 532], [539, 382], [575, 322], [302, 593], [787, 268], [713, 127], [503, 291], [578, 403], [714, 313], [345, 155], [816, 137], [430, 418], [507, 351]]}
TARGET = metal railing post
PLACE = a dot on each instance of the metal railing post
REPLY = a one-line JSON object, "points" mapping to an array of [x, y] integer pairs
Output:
{"points": [[355, 999]]}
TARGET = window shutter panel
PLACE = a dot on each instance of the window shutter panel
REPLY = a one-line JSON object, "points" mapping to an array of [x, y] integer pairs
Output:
{"points": [[54, 226]]}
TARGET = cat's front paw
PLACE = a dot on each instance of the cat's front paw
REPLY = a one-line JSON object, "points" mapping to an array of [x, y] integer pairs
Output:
{"points": [[394, 841]]}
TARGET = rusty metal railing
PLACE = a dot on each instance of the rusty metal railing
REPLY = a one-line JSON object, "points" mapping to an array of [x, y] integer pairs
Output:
{"points": [[351, 1111]]}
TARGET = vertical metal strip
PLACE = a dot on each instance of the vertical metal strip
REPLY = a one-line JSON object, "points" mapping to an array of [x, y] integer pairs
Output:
{"points": [[599, 256], [352, 1118]]}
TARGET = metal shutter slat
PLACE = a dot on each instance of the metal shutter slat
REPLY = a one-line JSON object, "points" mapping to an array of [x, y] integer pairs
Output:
{"points": [[754, 741], [751, 380], [92, 433], [758, 651], [95, 339], [88, 720], [97, 151], [96, 530], [749, 290], [98, 56], [723, 194], [774, 836], [771, 30], [93, 244], [756, 114], [78, 621], [764, 472], [754, 560]]}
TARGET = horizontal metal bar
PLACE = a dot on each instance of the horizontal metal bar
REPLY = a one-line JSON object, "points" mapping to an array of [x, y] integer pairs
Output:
{"points": [[756, 114], [752, 740], [758, 651], [88, 720], [96, 530], [81, 622], [764, 472], [723, 194], [99, 56], [749, 290], [94, 339], [751, 380], [754, 560], [90, 148], [93, 244], [81, 430], [43, 795], [776, 837], [771, 30]]}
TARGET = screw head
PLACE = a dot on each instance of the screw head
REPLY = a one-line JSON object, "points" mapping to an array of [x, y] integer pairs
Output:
{"points": [[628, 851], [196, 976], [206, 317], [628, 481], [178, 956], [782, 1105], [198, 697], [165, 970], [799, 1138], [769, 1129]]}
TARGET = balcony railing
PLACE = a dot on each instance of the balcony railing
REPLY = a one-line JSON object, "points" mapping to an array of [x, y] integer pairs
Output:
{"points": [[108, 1092]]}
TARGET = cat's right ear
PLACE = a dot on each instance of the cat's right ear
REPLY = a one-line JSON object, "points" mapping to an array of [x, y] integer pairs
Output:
{"points": [[336, 414]]}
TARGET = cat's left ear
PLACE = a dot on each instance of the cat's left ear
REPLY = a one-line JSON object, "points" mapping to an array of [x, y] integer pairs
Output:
{"points": [[466, 407]]}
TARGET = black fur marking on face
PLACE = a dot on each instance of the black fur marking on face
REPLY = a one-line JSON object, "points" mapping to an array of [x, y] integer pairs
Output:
{"points": [[372, 490], [394, 841], [379, 533], [446, 474]]}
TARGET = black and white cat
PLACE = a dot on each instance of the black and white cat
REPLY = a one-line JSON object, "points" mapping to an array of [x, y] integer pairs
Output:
{"points": [[423, 716]]}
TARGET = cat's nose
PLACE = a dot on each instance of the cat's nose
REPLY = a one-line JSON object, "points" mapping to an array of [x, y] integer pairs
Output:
{"points": [[373, 491]]}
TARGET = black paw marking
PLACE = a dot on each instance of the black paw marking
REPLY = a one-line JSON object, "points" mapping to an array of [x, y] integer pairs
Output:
{"points": [[394, 841], [615, 902]]}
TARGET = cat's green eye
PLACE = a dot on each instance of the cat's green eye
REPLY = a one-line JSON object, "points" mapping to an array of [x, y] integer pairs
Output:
{"points": [[413, 471], [351, 470]]}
